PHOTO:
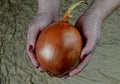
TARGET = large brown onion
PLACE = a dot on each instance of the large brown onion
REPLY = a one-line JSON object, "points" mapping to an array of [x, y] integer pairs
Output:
{"points": [[58, 48]]}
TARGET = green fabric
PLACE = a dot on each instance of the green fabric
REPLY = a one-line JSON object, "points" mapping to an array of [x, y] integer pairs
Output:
{"points": [[16, 67]]}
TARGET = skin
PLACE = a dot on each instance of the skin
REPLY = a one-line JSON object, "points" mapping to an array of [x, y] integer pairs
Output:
{"points": [[89, 24], [46, 15]]}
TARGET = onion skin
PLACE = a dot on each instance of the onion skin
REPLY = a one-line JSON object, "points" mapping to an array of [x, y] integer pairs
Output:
{"points": [[58, 48]]}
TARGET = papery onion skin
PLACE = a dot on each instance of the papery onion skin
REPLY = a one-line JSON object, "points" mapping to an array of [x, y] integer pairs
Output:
{"points": [[58, 48]]}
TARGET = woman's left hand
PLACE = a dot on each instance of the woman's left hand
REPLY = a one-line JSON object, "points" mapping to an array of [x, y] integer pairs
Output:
{"points": [[89, 27]]}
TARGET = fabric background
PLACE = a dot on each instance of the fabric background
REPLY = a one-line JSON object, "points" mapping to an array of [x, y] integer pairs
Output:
{"points": [[16, 67]]}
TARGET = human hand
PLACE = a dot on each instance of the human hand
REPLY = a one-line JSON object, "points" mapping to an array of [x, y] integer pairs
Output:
{"points": [[89, 26], [36, 26]]}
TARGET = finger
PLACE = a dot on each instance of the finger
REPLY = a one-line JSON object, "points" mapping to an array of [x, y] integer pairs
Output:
{"points": [[82, 65], [40, 69], [34, 61], [89, 48], [33, 58], [31, 38]]}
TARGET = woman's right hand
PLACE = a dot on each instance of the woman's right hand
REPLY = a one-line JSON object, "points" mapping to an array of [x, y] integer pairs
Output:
{"points": [[35, 27]]}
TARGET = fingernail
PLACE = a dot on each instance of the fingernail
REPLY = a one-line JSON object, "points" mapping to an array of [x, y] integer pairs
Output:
{"points": [[40, 69], [37, 67], [83, 57], [30, 48]]}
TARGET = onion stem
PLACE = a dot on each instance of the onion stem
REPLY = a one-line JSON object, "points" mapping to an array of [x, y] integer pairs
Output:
{"points": [[72, 7]]}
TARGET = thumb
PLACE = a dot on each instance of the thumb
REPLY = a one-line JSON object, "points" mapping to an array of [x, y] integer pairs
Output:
{"points": [[88, 49]]}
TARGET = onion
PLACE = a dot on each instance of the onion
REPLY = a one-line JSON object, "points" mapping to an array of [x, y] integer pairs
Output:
{"points": [[58, 47]]}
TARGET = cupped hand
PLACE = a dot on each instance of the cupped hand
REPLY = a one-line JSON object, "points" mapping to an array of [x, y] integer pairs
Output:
{"points": [[89, 27], [35, 27]]}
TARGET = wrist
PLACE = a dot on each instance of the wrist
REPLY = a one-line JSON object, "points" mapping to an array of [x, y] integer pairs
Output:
{"points": [[95, 14], [103, 8], [55, 16], [91, 16], [50, 7]]}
